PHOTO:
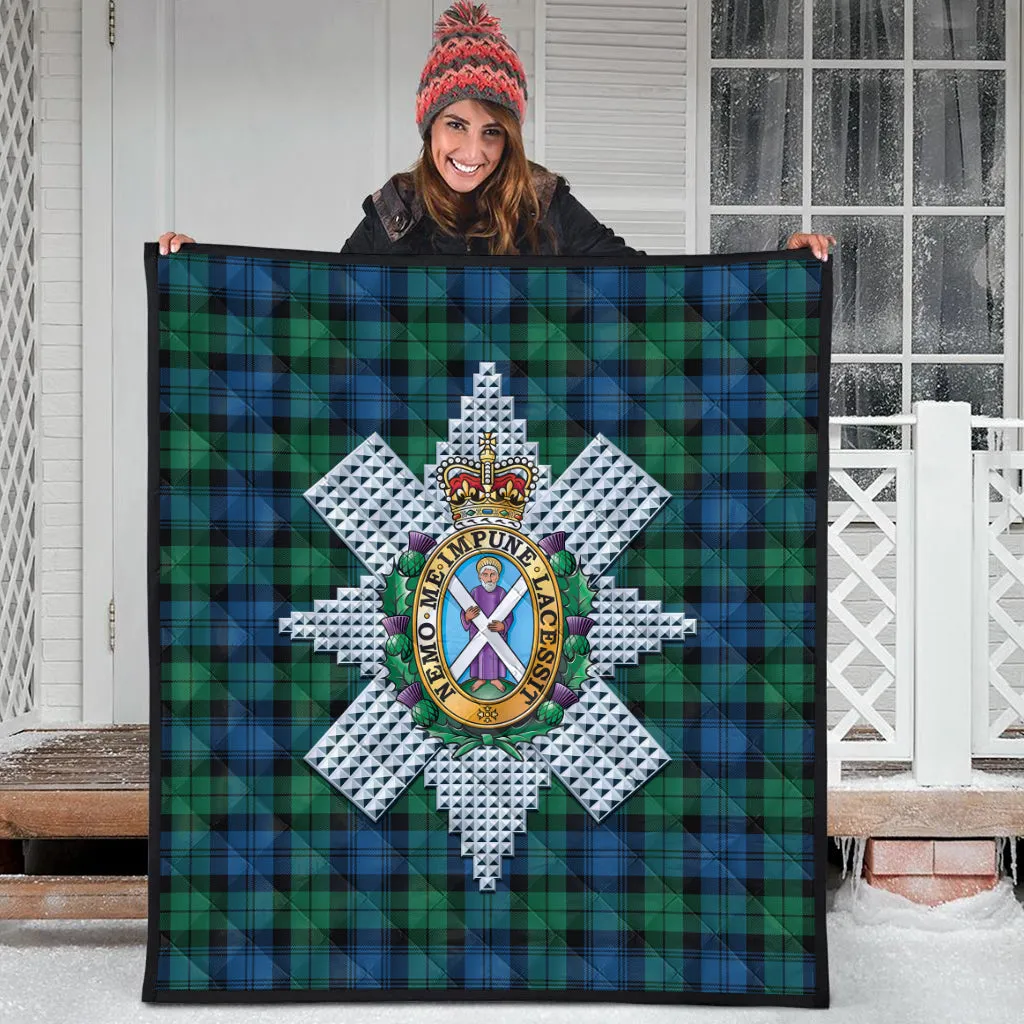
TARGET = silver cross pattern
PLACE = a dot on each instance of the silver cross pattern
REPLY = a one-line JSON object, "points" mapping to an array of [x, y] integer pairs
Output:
{"points": [[601, 753]]}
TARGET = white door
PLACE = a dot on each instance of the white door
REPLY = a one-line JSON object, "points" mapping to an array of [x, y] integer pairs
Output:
{"points": [[251, 122]]}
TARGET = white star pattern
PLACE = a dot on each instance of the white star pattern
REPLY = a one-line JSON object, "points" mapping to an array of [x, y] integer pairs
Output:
{"points": [[600, 752]]}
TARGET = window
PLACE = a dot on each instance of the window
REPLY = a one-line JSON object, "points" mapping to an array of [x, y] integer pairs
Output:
{"points": [[884, 123]]}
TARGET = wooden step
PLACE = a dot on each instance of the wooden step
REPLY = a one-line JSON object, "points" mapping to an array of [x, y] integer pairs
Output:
{"points": [[29, 897], [945, 813], [75, 783], [113, 758], [73, 814], [93, 783]]}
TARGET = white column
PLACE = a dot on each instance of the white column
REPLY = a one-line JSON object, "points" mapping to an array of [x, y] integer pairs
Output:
{"points": [[942, 584]]}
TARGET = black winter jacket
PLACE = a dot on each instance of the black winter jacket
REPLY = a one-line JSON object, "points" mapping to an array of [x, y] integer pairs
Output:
{"points": [[395, 223]]}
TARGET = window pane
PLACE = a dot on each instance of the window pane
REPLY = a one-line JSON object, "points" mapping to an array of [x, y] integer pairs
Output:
{"points": [[756, 136], [858, 138], [867, 311], [858, 29], [979, 384], [959, 138], [757, 28], [958, 284], [866, 389], [751, 233], [974, 30]]}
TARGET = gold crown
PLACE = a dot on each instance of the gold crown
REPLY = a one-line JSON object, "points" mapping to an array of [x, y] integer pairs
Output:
{"points": [[486, 491]]}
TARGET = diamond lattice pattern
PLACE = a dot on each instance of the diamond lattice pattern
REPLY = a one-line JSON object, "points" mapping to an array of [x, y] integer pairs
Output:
{"points": [[1005, 640], [17, 359], [862, 608]]}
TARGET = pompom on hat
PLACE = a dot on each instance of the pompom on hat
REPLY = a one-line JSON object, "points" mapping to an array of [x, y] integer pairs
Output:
{"points": [[470, 60]]}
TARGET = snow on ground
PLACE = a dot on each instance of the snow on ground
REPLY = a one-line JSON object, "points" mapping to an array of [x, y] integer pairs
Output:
{"points": [[905, 782], [892, 962]]}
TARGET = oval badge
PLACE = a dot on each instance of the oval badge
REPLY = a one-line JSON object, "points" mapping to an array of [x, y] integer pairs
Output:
{"points": [[487, 626]]}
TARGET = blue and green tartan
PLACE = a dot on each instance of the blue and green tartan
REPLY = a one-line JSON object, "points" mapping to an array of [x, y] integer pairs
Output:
{"points": [[267, 368]]}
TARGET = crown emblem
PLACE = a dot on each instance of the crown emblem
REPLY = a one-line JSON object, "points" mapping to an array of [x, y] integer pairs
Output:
{"points": [[488, 490]]}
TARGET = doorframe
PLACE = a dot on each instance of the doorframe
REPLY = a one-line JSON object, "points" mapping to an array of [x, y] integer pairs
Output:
{"points": [[97, 363], [99, 697]]}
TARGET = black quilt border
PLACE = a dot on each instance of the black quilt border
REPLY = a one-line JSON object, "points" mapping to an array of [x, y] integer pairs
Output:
{"points": [[820, 998]]}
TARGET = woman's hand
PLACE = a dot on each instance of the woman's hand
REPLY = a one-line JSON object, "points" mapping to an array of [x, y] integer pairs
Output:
{"points": [[818, 244], [169, 240]]}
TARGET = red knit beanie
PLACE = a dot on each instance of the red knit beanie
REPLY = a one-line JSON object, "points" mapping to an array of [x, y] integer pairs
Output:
{"points": [[470, 60]]}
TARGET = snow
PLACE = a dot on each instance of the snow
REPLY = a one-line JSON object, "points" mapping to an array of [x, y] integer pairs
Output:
{"points": [[995, 908], [18, 741], [905, 781], [892, 962]]}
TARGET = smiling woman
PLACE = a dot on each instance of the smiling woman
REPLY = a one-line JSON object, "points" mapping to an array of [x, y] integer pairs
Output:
{"points": [[464, 153], [473, 190]]}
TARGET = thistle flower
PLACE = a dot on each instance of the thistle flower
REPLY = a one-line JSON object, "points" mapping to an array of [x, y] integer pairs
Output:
{"points": [[564, 696], [550, 712], [395, 624], [425, 713], [420, 542], [552, 542], [411, 695], [579, 625]]}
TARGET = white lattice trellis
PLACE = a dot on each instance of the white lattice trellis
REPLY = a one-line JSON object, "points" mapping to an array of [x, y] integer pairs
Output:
{"points": [[870, 668], [999, 606], [17, 360]]}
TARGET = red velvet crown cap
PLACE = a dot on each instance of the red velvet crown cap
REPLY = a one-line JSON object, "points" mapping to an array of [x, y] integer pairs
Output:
{"points": [[470, 60]]}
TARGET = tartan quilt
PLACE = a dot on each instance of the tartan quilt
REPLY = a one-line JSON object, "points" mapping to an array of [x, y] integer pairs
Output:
{"points": [[487, 627]]}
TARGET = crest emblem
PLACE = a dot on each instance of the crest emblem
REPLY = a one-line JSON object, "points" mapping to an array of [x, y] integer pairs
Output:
{"points": [[487, 617], [487, 628]]}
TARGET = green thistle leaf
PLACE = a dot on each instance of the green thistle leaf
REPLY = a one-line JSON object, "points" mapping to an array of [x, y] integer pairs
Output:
{"points": [[399, 671], [447, 735], [500, 741], [576, 673], [577, 596], [393, 595], [467, 747]]}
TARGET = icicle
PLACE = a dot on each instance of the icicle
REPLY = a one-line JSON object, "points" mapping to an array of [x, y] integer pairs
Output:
{"points": [[845, 843], [1004, 842], [860, 844], [851, 849]]}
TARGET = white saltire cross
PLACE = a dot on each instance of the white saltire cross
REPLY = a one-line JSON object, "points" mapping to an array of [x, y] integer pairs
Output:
{"points": [[489, 636]]}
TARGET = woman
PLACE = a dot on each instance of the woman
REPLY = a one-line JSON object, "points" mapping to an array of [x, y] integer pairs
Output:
{"points": [[473, 190]]}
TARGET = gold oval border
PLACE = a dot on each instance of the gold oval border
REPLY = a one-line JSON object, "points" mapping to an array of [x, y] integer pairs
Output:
{"points": [[474, 704]]}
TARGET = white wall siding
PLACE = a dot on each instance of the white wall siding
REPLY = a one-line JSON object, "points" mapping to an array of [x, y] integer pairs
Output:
{"points": [[60, 332], [617, 113]]}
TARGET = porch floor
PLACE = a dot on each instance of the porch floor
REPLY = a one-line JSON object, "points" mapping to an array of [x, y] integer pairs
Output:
{"points": [[94, 782]]}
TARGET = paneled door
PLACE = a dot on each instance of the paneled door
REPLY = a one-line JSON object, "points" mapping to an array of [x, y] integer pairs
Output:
{"points": [[251, 122]]}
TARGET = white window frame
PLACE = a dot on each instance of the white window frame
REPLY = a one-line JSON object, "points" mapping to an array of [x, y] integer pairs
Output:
{"points": [[1010, 358]]}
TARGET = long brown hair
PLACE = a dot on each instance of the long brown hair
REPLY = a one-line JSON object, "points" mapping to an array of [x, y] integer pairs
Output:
{"points": [[506, 196]]}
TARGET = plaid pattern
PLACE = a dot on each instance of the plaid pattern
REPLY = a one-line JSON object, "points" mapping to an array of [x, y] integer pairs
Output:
{"points": [[707, 884]]}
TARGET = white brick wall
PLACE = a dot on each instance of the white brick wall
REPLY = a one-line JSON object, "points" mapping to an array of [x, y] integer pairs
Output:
{"points": [[60, 277]]}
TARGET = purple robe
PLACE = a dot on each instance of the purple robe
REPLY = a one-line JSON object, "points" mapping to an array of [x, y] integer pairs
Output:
{"points": [[487, 664]]}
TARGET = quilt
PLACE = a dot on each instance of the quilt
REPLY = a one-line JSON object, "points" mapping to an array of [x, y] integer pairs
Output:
{"points": [[487, 607]]}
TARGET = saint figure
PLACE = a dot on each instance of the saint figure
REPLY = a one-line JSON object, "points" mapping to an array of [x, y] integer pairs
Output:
{"points": [[487, 667]]}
